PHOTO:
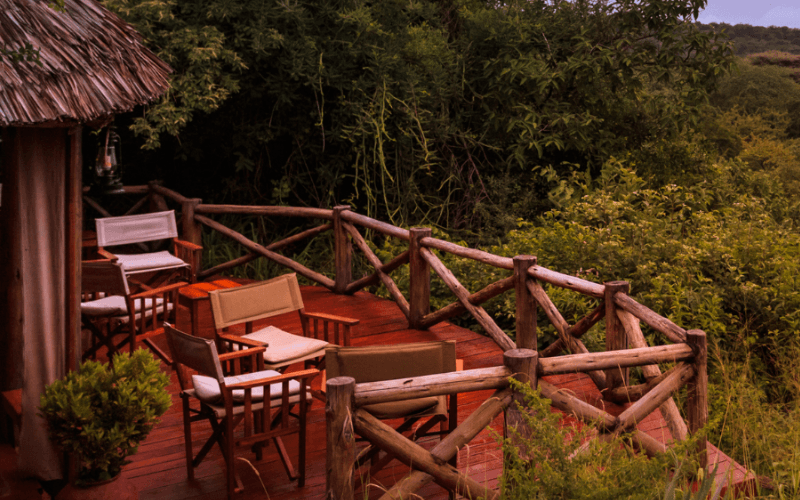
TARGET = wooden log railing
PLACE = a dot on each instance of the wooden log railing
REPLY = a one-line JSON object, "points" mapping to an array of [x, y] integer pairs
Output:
{"points": [[345, 416], [623, 318]]}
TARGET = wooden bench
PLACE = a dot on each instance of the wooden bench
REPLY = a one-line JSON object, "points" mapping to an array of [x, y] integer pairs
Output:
{"points": [[12, 407]]}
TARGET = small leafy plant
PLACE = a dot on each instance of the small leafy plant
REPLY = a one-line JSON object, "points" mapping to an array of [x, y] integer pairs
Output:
{"points": [[102, 411], [568, 462]]}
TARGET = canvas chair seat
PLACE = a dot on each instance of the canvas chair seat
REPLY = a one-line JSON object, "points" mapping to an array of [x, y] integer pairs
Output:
{"points": [[139, 263], [242, 306], [94, 311], [285, 348], [137, 316], [114, 305], [158, 267], [207, 388], [225, 403]]}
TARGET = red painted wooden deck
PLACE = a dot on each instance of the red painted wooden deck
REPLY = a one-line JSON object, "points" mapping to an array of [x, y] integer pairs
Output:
{"points": [[159, 468]]}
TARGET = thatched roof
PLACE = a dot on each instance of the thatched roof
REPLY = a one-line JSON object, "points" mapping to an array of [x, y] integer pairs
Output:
{"points": [[93, 64]]}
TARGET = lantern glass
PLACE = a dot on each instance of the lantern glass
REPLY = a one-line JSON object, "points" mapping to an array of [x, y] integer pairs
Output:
{"points": [[106, 169]]}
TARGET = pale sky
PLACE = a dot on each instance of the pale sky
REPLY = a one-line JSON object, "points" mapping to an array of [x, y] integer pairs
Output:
{"points": [[753, 12]]}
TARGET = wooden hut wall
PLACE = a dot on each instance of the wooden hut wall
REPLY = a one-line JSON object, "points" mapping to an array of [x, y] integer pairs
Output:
{"points": [[35, 278]]}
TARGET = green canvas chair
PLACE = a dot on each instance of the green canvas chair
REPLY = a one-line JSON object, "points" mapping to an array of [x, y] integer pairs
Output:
{"points": [[399, 361]]}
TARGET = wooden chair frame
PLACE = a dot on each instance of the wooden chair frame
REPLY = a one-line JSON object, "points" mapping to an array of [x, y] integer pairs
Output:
{"points": [[259, 424], [447, 421], [143, 319], [258, 301], [111, 231]]}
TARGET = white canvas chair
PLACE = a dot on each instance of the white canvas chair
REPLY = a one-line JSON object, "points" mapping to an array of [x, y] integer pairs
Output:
{"points": [[112, 310], [142, 228], [259, 301], [228, 397]]}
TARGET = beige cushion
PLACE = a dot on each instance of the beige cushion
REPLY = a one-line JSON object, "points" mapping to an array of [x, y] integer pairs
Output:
{"points": [[238, 409], [149, 261], [284, 347], [207, 388], [114, 306]]}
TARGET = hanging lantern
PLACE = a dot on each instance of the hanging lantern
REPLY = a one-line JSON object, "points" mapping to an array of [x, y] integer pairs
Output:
{"points": [[106, 168]]}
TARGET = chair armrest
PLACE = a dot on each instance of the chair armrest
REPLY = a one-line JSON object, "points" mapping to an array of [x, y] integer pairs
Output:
{"points": [[339, 333], [154, 292], [332, 318], [106, 254], [187, 245], [191, 254], [284, 377], [241, 354], [249, 343]]}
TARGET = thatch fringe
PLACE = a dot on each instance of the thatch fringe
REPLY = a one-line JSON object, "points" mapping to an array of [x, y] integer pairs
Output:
{"points": [[93, 64]]}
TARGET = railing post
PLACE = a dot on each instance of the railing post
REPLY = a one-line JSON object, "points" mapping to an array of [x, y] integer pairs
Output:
{"points": [[523, 364], [697, 396], [616, 339], [341, 444], [419, 278], [157, 202], [525, 303], [192, 231], [343, 250]]}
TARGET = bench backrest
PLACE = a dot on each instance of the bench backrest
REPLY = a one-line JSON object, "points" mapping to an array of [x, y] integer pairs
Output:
{"points": [[234, 306], [112, 231]]}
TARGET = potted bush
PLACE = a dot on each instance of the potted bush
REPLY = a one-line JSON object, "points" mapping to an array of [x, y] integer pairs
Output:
{"points": [[101, 412]]}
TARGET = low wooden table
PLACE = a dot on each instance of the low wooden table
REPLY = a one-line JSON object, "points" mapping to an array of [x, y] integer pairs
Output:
{"points": [[194, 308]]}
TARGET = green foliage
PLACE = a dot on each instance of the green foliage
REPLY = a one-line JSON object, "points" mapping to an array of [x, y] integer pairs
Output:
{"points": [[562, 460], [749, 39], [720, 255], [101, 412], [205, 67], [763, 436], [759, 89], [28, 53], [406, 110]]}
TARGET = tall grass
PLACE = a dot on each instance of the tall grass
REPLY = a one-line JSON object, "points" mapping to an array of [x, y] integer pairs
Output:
{"points": [[764, 436]]}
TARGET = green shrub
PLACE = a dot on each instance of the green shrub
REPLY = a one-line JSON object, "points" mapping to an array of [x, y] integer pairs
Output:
{"points": [[563, 461], [101, 412]]}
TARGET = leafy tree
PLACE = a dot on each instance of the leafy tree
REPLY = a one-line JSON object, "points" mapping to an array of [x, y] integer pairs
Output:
{"points": [[408, 110]]}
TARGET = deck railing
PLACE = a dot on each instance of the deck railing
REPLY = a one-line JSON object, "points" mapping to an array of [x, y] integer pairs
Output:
{"points": [[626, 346]]}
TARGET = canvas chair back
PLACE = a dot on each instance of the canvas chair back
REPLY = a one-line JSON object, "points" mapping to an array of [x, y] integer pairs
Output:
{"points": [[113, 231], [103, 276], [195, 353], [234, 306], [388, 362]]}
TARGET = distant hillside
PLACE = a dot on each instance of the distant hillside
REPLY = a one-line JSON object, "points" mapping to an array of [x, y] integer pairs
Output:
{"points": [[756, 39]]}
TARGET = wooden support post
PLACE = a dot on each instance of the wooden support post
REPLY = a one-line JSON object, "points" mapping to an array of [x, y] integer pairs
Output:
{"points": [[192, 230], [697, 400], [616, 340], [343, 251], [420, 279], [341, 445], [157, 201], [526, 305], [523, 364], [74, 214]]}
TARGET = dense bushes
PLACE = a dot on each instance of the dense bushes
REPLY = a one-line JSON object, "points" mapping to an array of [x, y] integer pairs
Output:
{"points": [[410, 110]]}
